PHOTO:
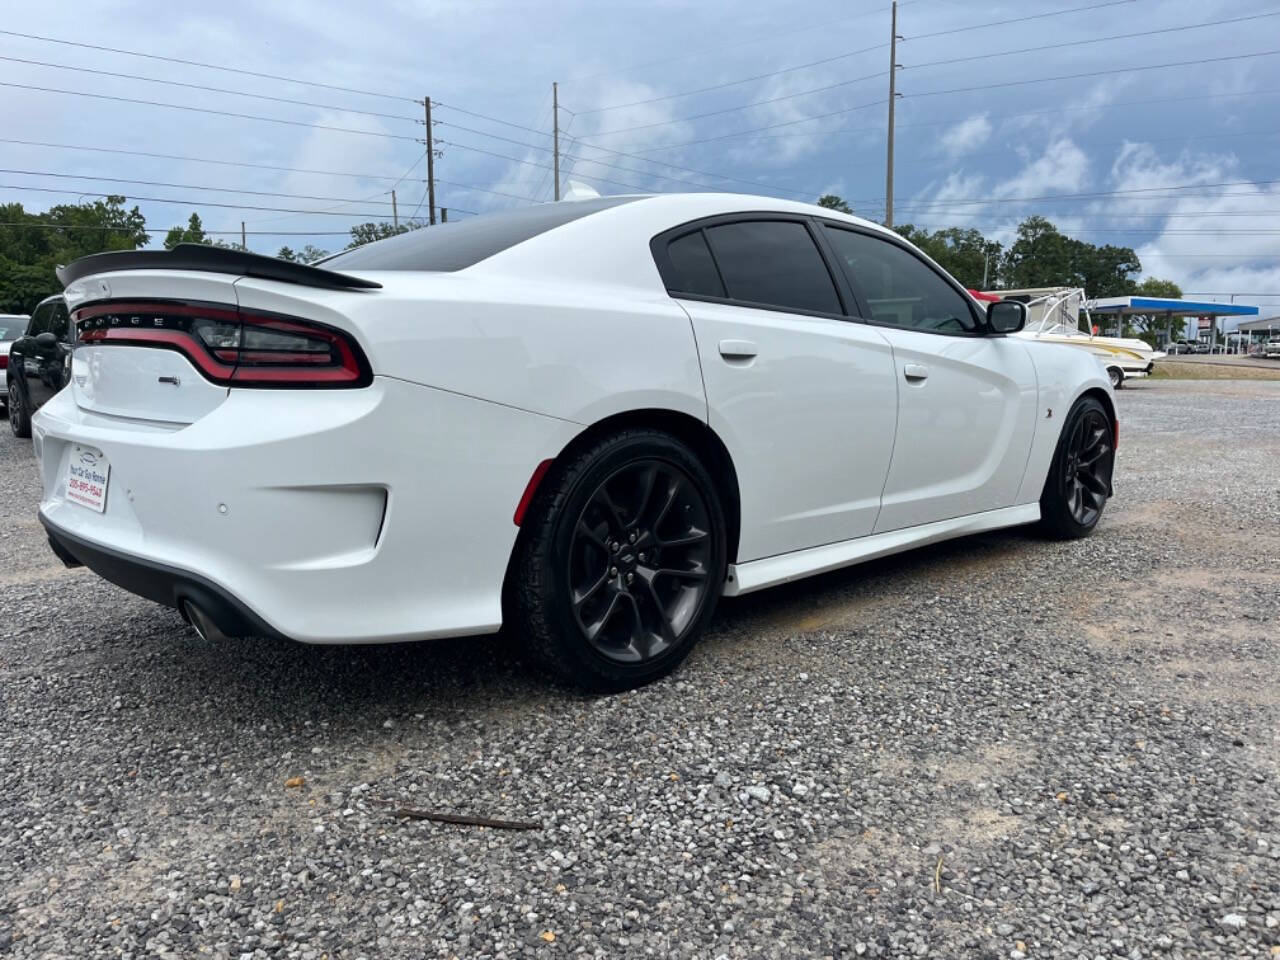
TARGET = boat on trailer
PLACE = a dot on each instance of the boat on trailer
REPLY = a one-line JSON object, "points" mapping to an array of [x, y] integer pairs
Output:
{"points": [[1053, 315]]}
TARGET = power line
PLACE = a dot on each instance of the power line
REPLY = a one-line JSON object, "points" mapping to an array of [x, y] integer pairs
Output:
{"points": [[193, 186], [742, 106], [225, 163], [843, 56], [841, 131], [534, 163], [208, 66], [1091, 40], [732, 83], [935, 93], [772, 37], [1094, 73], [614, 166], [1002, 23], [220, 113], [199, 86], [1105, 193], [191, 203]]}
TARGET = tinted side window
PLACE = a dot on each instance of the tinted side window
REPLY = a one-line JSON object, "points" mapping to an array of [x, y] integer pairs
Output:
{"points": [[40, 318], [773, 262], [900, 289], [60, 320], [693, 270]]}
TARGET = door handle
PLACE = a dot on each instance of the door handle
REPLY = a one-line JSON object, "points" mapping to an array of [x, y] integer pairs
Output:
{"points": [[915, 371], [737, 349]]}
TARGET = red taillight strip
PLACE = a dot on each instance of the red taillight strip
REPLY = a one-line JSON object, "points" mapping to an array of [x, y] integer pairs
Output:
{"points": [[184, 343], [254, 367]]}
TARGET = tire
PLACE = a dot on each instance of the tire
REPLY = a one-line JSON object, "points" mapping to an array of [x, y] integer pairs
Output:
{"points": [[1079, 482], [19, 419], [621, 561], [1116, 375]]}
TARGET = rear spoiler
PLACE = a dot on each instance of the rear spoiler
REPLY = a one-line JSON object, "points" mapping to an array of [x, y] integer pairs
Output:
{"points": [[199, 256]]}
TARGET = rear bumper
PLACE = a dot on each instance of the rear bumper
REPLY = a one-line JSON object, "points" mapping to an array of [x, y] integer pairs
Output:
{"points": [[163, 584], [341, 516]]}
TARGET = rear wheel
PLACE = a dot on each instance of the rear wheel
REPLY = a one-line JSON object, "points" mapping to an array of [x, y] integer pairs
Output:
{"points": [[1079, 480], [19, 419], [1116, 375], [623, 561]]}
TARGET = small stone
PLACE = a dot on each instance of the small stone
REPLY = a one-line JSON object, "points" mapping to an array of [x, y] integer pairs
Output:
{"points": [[1004, 929], [757, 792], [234, 885], [1182, 875], [1233, 921], [799, 790], [723, 780], [727, 926], [388, 724]]}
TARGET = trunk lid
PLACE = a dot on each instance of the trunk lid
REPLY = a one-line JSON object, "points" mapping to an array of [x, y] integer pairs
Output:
{"points": [[143, 383]]}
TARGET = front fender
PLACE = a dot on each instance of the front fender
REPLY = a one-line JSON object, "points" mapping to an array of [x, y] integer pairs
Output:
{"points": [[1064, 374]]}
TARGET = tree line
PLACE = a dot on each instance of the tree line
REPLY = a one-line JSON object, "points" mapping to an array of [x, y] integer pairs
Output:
{"points": [[33, 244]]}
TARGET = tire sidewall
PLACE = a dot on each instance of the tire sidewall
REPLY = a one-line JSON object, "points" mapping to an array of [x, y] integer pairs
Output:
{"points": [[598, 670], [1053, 501], [19, 423]]}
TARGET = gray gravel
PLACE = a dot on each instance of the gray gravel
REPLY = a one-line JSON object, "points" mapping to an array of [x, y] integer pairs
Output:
{"points": [[998, 748]]}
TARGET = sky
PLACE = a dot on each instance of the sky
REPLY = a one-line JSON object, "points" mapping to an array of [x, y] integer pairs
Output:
{"points": [[1080, 110]]}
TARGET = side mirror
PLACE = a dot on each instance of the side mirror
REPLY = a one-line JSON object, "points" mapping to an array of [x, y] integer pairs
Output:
{"points": [[46, 342], [1006, 316]]}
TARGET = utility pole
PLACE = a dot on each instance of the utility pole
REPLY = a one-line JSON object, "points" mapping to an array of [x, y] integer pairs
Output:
{"points": [[243, 245], [893, 102], [431, 167], [444, 214], [555, 133], [395, 211], [986, 260]]}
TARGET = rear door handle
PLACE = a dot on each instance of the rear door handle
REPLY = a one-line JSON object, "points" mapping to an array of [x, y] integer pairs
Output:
{"points": [[915, 371], [737, 349]]}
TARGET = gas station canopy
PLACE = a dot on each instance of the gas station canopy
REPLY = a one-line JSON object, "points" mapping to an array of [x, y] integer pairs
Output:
{"points": [[1169, 307]]}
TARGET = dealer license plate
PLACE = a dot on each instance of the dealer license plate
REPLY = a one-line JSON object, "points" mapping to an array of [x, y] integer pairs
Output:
{"points": [[87, 474]]}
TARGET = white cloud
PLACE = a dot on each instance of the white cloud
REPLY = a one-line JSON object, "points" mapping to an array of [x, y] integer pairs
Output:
{"points": [[967, 135]]}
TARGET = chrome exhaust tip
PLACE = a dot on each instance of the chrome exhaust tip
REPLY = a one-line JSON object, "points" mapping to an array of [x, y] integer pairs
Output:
{"points": [[202, 623]]}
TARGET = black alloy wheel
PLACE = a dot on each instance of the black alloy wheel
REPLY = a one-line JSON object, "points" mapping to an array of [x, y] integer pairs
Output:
{"points": [[620, 561], [639, 562], [19, 421], [1079, 481]]}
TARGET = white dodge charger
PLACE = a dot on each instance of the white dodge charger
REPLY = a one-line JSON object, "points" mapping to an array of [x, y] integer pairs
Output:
{"points": [[586, 419]]}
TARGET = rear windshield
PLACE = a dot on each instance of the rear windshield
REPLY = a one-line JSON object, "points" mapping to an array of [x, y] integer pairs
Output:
{"points": [[456, 246], [12, 329]]}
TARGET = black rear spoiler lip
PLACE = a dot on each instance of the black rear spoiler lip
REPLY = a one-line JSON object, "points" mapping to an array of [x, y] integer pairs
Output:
{"points": [[198, 256]]}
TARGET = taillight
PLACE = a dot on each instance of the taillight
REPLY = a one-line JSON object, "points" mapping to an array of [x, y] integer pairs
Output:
{"points": [[231, 346], [4, 361]]}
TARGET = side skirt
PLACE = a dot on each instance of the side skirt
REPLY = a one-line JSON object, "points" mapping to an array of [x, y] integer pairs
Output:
{"points": [[758, 574]]}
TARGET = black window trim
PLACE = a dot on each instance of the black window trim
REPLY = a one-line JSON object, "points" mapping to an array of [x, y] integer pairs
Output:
{"points": [[982, 329], [658, 248]]}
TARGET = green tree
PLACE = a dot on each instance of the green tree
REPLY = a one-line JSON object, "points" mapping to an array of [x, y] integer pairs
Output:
{"points": [[1155, 287], [363, 233], [834, 202], [1153, 328], [308, 254], [32, 245]]}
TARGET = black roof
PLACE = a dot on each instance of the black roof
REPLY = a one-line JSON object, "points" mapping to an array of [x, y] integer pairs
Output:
{"points": [[456, 246]]}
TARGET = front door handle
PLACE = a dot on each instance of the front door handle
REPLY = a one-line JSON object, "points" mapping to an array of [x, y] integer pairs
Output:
{"points": [[915, 372], [737, 349]]}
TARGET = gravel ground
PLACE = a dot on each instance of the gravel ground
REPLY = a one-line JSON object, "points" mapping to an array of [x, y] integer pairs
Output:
{"points": [[999, 747]]}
